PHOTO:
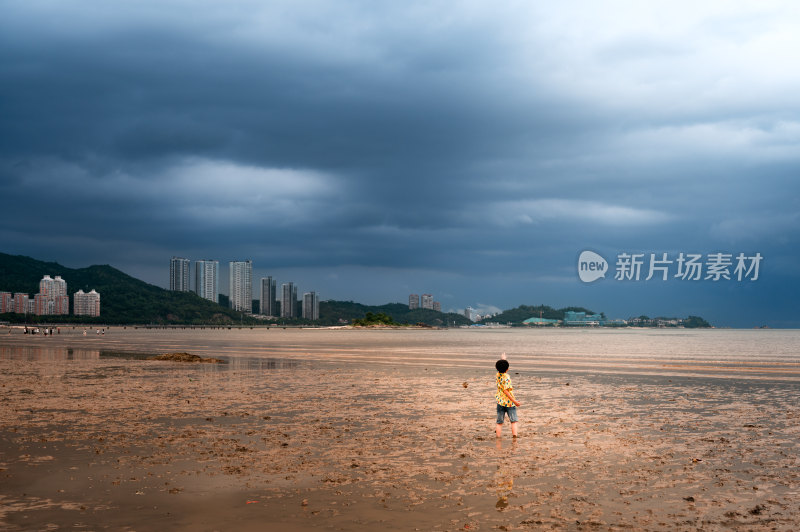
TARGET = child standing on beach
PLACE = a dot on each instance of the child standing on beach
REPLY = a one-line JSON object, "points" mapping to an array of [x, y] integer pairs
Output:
{"points": [[506, 403]]}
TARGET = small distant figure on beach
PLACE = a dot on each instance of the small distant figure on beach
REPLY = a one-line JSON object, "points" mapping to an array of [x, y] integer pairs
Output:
{"points": [[506, 402]]}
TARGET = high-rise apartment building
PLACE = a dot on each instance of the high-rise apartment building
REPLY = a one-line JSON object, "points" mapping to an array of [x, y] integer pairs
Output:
{"points": [[268, 297], [50, 287], [413, 301], [311, 306], [241, 285], [179, 274], [21, 303], [6, 302], [437, 306], [206, 279], [427, 301], [52, 297], [43, 306], [288, 300], [86, 304]]}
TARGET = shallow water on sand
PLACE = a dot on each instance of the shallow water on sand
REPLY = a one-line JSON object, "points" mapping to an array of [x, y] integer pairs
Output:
{"points": [[753, 354]]}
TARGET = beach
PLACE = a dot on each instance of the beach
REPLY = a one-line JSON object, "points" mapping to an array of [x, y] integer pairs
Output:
{"points": [[394, 430]]}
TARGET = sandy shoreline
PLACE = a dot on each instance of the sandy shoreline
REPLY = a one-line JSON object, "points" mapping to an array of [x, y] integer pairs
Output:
{"points": [[307, 442]]}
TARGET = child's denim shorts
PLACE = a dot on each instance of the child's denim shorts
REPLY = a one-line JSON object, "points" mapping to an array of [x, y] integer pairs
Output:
{"points": [[503, 410]]}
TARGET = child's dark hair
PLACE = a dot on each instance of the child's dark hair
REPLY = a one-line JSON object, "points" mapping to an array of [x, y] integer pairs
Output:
{"points": [[501, 365]]}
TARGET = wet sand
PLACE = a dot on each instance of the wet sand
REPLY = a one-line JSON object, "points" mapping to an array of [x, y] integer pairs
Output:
{"points": [[351, 430]]}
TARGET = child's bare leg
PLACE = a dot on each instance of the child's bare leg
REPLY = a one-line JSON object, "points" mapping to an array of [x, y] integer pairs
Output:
{"points": [[498, 429], [513, 430]]}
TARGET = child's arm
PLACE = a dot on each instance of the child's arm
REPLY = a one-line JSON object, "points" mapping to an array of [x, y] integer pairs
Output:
{"points": [[510, 396]]}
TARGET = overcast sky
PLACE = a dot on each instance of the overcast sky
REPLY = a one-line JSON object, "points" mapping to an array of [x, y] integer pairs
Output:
{"points": [[370, 150]]}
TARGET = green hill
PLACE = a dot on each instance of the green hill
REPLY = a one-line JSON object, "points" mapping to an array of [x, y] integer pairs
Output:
{"points": [[123, 299], [331, 312]]}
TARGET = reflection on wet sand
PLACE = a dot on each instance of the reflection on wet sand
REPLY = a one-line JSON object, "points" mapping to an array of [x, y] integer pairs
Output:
{"points": [[44, 353], [504, 478]]}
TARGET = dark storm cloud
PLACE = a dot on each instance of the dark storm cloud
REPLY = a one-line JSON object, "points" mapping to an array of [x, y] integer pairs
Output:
{"points": [[423, 140], [165, 91]]}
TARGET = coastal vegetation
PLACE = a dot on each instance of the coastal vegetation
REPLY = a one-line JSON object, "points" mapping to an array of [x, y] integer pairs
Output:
{"points": [[695, 322], [379, 319], [341, 312]]}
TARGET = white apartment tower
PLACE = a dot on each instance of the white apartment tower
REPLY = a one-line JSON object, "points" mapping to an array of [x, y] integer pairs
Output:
{"points": [[311, 306], [179, 274], [288, 300], [268, 296], [241, 285], [86, 304], [413, 301], [427, 301], [206, 279]]}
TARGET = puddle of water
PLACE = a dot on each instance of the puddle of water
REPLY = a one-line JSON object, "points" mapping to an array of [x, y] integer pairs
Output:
{"points": [[46, 353]]}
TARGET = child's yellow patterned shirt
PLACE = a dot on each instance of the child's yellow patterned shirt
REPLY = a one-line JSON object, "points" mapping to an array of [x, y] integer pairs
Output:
{"points": [[503, 383]]}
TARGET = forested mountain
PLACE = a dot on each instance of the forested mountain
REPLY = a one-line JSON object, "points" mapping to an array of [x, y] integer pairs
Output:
{"points": [[123, 299]]}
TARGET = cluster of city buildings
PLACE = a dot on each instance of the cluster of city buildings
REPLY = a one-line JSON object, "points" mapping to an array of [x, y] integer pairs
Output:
{"points": [[473, 315], [52, 300], [240, 285], [655, 322], [582, 319], [576, 319], [426, 302]]}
